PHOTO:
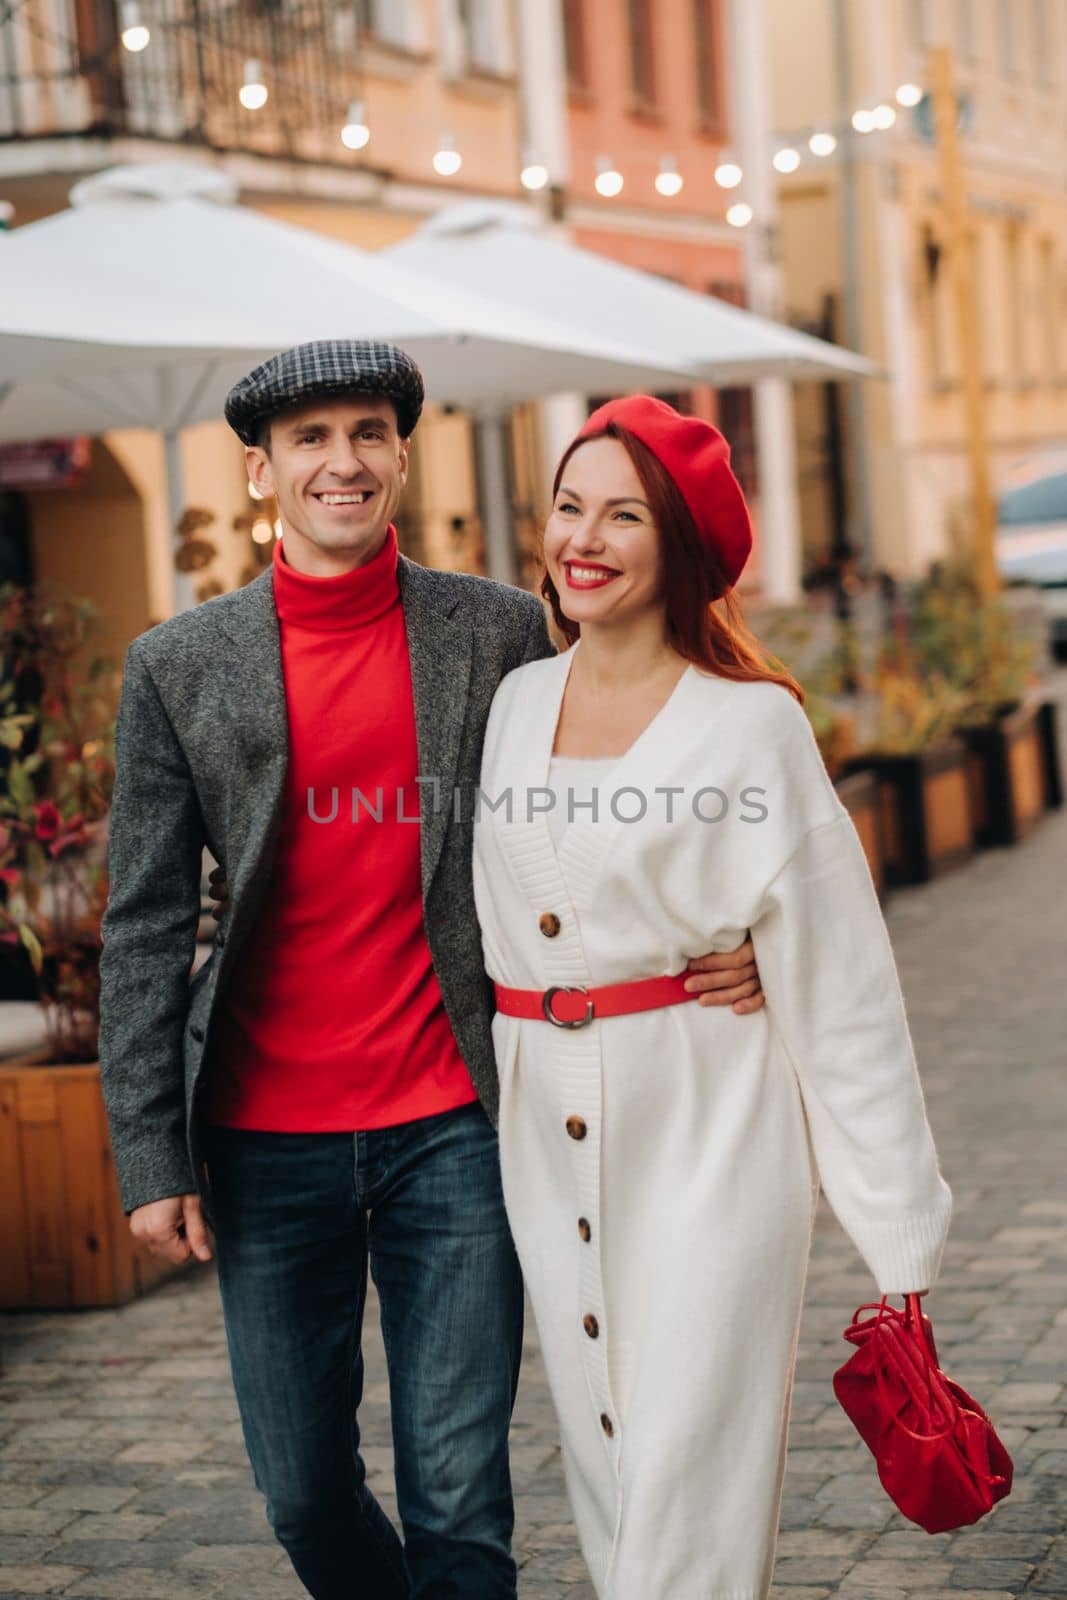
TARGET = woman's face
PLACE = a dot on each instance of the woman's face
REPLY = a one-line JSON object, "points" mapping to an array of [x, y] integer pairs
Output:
{"points": [[602, 548]]}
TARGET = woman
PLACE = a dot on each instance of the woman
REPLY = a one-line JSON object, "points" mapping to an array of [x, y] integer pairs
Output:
{"points": [[661, 1160]]}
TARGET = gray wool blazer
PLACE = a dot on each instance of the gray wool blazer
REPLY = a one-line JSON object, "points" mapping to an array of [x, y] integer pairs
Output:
{"points": [[201, 755]]}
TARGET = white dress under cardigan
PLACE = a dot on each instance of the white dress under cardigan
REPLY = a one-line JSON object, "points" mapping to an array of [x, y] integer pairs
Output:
{"points": [[679, 1219]]}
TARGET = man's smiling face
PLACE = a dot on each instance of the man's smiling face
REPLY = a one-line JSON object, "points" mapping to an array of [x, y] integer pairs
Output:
{"points": [[337, 467]]}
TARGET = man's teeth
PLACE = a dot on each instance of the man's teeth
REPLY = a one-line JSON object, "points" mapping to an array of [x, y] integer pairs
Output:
{"points": [[344, 499], [590, 573]]}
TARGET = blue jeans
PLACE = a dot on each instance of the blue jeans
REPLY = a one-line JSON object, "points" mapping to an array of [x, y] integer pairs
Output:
{"points": [[297, 1217]]}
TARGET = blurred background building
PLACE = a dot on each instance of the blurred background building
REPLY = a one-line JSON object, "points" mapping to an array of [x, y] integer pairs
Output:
{"points": [[863, 235], [627, 125]]}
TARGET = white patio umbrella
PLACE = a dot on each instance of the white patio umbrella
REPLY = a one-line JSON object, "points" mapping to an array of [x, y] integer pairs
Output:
{"points": [[492, 248], [145, 301]]}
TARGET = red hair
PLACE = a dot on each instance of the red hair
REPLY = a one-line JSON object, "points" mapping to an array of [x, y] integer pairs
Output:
{"points": [[693, 581]]}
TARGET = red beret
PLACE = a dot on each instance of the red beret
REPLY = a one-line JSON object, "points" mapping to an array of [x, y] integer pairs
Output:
{"points": [[698, 459]]}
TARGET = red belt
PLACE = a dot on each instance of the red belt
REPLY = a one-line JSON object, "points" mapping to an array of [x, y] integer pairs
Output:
{"points": [[576, 1005]]}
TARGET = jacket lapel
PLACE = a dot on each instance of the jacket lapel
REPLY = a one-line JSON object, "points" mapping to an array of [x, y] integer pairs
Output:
{"points": [[440, 646], [258, 765]]}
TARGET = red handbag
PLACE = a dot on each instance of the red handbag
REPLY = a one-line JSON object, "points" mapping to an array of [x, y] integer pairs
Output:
{"points": [[938, 1456]]}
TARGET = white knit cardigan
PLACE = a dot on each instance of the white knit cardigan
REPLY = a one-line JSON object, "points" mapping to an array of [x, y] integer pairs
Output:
{"points": [[660, 1170]]}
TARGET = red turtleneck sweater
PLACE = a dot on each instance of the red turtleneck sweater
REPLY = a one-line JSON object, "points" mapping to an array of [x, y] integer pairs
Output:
{"points": [[334, 1021]]}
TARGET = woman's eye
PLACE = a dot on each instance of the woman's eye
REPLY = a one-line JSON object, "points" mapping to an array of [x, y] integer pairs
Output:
{"points": [[566, 506], [630, 514]]}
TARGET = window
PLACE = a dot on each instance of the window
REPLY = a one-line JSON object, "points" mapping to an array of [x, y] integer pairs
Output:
{"points": [[1042, 45], [1015, 307], [574, 43], [736, 411], [1008, 36], [965, 29], [1050, 309], [642, 61], [394, 22], [919, 23], [707, 57], [486, 44]]}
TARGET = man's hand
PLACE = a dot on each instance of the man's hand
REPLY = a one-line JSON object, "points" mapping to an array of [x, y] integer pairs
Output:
{"points": [[174, 1229], [729, 977], [219, 890]]}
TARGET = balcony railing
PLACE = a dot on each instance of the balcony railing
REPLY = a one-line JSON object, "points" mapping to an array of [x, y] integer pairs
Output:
{"points": [[64, 71]]}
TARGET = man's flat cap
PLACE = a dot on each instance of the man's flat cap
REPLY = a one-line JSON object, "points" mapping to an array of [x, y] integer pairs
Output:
{"points": [[326, 367]]}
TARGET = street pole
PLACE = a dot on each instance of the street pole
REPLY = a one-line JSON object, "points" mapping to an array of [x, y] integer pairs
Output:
{"points": [[957, 237], [779, 513]]}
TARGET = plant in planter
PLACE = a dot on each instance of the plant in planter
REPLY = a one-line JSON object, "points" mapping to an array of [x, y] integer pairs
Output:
{"points": [[54, 798], [975, 644], [67, 1242], [909, 744]]}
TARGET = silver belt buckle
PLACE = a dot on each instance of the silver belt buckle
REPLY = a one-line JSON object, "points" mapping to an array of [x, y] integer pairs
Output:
{"points": [[566, 988]]}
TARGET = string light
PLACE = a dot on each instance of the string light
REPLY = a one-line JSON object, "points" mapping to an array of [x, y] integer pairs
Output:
{"points": [[908, 95], [883, 117], [728, 174], [863, 121], [534, 175], [355, 133], [669, 180], [135, 36], [253, 91], [447, 159], [822, 144], [739, 215], [262, 531], [608, 180], [787, 159]]}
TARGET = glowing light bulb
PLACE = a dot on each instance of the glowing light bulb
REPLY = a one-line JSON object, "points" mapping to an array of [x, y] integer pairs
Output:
{"points": [[822, 144], [669, 180], [355, 134], [739, 214], [534, 175], [863, 120], [262, 531], [883, 117], [728, 174], [447, 160], [787, 159], [135, 36], [608, 180], [908, 94], [253, 91]]}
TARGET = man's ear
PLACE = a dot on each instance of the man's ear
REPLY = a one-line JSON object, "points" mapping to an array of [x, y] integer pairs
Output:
{"points": [[405, 446], [260, 472]]}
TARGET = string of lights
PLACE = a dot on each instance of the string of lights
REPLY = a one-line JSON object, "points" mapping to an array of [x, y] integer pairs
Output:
{"points": [[355, 129]]}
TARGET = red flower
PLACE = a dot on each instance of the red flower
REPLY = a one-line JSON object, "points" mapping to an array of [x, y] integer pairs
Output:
{"points": [[9, 875], [75, 838], [49, 821]]}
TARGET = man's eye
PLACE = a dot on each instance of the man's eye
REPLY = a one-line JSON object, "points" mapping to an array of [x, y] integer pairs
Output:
{"points": [[370, 433]]}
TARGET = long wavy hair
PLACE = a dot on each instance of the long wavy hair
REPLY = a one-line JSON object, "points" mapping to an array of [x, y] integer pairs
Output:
{"points": [[717, 640]]}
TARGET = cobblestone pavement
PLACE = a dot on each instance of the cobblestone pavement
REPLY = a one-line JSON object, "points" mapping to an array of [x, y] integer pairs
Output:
{"points": [[122, 1472]]}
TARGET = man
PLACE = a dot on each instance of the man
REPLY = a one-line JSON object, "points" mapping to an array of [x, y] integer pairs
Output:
{"points": [[312, 729]]}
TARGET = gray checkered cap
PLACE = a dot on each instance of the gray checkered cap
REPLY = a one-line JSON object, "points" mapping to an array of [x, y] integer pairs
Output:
{"points": [[326, 367]]}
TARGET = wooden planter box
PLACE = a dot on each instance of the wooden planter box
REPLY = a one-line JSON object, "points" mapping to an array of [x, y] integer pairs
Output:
{"points": [[1052, 766], [860, 794], [925, 807], [65, 1241], [1006, 764]]}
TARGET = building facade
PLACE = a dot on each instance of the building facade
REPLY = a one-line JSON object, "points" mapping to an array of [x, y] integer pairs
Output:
{"points": [[648, 98], [420, 78], [863, 236]]}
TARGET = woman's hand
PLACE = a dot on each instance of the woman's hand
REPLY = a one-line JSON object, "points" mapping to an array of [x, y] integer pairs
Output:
{"points": [[727, 978]]}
